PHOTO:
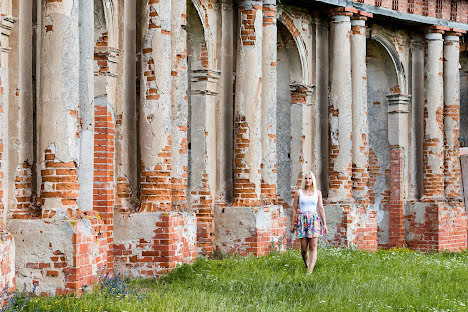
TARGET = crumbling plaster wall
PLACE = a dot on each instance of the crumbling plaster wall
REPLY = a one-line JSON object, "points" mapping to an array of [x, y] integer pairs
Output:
{"points": [[464, 99], [381, 81]]}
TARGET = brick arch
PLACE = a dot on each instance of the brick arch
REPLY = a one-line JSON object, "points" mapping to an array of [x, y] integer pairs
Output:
{"points": [[288, 22], [112, 21], [205, 20], [399, 68]]}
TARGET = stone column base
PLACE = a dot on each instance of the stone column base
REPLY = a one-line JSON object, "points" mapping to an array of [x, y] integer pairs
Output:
{"points": [[436, 226], [351, 225], [149, 244], [59, 255], [250, 230]]}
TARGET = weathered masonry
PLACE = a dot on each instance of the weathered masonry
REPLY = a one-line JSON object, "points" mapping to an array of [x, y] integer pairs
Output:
{"points": [[137, 135]]}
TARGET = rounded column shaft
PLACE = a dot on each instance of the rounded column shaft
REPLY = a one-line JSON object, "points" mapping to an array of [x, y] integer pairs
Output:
{"points": [[269, 158], [340, 110], [59, 144], [433, 180], [452, 116], [179, 177], [155, 124], [247, 124], [359, 106]]}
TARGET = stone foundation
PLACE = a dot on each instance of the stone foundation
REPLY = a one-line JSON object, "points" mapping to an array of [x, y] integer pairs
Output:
{"points": [[149, 244], [248, 230]]}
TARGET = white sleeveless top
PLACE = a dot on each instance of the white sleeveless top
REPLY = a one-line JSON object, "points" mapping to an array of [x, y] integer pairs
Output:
{"points": [[308, 203]]}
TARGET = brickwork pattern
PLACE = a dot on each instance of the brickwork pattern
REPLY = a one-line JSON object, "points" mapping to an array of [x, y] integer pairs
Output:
{"points": [[23, 193], [396, 209], [433, 146], [104, 182], [202, 204], [262, 242], [247, 28], [169, 246], [444, 228], [365, 233], [445, 9], [59, 180], [156, 184], [245, 193]]}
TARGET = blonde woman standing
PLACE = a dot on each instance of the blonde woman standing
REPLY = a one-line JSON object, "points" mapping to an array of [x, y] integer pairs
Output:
{"points": [[308, 212]]}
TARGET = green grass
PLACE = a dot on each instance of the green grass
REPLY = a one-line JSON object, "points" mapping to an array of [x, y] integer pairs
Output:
{"points": [[344, 280]]}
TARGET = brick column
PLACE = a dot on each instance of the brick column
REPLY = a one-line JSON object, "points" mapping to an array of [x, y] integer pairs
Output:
{"points": [[59, 145], [433, 180], [398, 139], [452, 116], [202, 184], [268, 107], [300, 98], [360, 130], [62, 244], [7, 242], [155, 123], [179, 105], [127, 146], [247, 123], [25, 189], [340, 108]]}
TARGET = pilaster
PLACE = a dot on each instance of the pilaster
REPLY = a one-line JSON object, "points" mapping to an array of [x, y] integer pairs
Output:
{"points": [[340, 107], [398, 140]]}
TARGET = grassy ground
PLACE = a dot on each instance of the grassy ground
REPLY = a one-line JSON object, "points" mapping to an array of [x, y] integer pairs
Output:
{"points": [[344, 280]]}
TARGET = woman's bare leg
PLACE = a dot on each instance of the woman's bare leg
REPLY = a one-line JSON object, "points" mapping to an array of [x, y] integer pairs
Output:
{"points": [[313, 253], [304, 245]]}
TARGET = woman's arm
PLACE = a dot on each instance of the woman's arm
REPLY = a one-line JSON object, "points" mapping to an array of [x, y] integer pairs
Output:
{"points": [[294, 211], [322, 212]]}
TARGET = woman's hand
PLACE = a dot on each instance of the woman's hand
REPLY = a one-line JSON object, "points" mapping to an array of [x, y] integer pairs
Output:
{"points": [[325, 229], [293, 228]]}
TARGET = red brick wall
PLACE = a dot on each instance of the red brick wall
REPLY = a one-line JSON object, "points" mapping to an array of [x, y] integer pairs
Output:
{"points": [[202, 203], [23, 193], [444, 227], [59, 180], [432, 8], [244, 191], [169, 245], [104, 183], [396, 205]]}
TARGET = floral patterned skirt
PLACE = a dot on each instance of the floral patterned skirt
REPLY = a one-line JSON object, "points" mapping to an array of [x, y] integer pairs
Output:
{"points": [[308, 225]]}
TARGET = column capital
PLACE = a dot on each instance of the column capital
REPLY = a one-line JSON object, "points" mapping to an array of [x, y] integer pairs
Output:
{"points": [[433, 36], [455, 32], [453, 35], [297, 87], [398, 103], [435, 29], [342, 14], [251, 4], [269, 3], [204, 81], [362, 15]]}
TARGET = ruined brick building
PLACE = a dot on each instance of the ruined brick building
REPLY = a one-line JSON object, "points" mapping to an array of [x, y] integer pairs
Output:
{"points": [[137, 135]]}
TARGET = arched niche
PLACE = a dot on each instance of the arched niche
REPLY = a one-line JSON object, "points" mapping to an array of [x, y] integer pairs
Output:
{"points": [[289, 116], [285, 19], [388, 45], [382, 80]]}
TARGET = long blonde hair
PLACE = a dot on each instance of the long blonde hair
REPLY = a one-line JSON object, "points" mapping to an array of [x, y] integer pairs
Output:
{"points": [[314, 182]]}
